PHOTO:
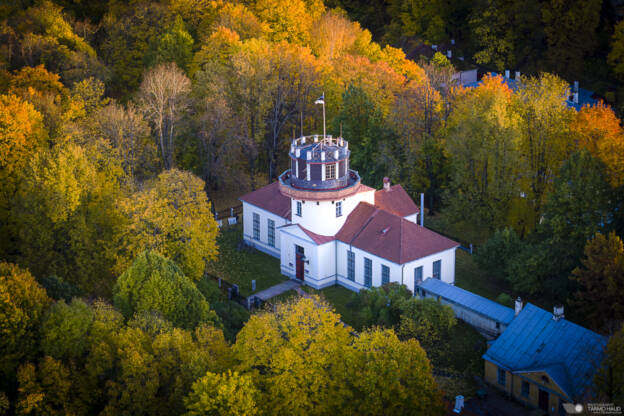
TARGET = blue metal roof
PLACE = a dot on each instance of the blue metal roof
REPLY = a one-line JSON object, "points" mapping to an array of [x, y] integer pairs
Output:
{"points": [[568, 353], [584, 96], [469, 300]]}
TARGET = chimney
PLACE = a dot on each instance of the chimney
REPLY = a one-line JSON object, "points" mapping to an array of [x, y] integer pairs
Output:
{"points": [[322, 155], [386, 182], [449, 54], [506, 73], [518, 306], [517, 75], [434, 47], [558, 312], [459, 404], [576, 86], [575, 98], [422, 209]]}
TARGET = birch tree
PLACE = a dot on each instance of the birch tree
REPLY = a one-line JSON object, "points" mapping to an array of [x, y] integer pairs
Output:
{"points": [[163, 96]]}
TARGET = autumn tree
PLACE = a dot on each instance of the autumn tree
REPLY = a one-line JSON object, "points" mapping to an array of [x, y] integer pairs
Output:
{"points": [[387, 376], [601, 282], [598, 130], [545, 141], [129, 134], [155, 283], [294, 356], [22, 134], [22, 305], [484, 144], [222, 394], [163, 98], [171, 215], [67, 216], [616, 55]]}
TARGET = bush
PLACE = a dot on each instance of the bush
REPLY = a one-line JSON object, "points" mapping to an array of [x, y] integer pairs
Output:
{"points": [[495, 254]]}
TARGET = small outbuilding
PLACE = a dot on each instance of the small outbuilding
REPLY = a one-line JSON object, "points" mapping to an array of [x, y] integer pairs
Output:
{"points": [[486, 316]]}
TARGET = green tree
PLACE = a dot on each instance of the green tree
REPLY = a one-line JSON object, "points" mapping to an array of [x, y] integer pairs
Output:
{"points": [[601, 282], [22, 305], [175, 45], [171, 215], [64, 329], [222, 394], [429, 322], [155, 283], [578, 207], [616, 55], [493, 256], [570, 42], [493, 35], [67, 216], [379, 306], [363, 125], [609, 379]]}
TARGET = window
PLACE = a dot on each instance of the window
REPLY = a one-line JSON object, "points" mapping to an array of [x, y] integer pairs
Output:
{"points": [[417, 277], [330, 171], [271, 227], [351, 265], [298, 208], [385, 274], [368, 272], [525, 388], [501, 376], [437, 269], [256, 226], [339, 209]]}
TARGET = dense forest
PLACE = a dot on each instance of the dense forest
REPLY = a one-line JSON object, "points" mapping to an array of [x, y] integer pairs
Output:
{"points": [[122, 123]]}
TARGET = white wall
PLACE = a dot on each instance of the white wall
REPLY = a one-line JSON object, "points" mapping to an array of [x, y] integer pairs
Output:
{"points": [[448, 268], [320, 269], [263, 243], [320, 216], [398, 273]]}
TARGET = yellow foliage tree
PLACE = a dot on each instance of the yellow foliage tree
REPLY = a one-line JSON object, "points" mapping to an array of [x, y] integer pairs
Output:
{"points": [[599, 130], [22, 304], [22, 134], [172, 216], [222, 395]]}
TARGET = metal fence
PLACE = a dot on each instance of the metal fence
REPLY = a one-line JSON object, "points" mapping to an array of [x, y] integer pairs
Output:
{"points": [[232, 291]]}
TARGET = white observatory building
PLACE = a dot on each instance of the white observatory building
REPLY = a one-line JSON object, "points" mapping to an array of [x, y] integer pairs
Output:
{"points": [[327, 227]]}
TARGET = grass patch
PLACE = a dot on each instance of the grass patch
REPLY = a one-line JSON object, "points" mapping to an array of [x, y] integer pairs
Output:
{"points": [[242, 265], [468, 276], [463, 232], [284, 297]]}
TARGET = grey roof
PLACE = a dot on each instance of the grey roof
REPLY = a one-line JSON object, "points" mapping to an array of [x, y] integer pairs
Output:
{"points": [[568, 353], [469, 300]]}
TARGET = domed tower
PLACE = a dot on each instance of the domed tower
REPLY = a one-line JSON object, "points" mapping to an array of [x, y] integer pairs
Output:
{"points": [[322, 188]]}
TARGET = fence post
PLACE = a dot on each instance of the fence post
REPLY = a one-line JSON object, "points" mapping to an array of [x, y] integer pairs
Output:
{"points": [[229, 293], [219, 282], [470, 248], [253, 285]]}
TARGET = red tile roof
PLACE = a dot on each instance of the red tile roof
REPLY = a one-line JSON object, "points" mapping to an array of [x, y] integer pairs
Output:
{"points": [[317, 238], [269, 198], [396, 201], [389, 236]]}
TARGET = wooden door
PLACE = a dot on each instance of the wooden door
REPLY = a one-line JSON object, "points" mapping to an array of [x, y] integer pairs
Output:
{"points": [[299, 262], [543, 400]]}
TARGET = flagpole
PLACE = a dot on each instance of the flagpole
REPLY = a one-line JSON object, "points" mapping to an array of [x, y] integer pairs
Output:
{"points": [[324, 116]]}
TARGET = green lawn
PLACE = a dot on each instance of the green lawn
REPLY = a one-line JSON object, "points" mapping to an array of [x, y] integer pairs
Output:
{"points": [[241, 266], [463, 232], [468, 276]]}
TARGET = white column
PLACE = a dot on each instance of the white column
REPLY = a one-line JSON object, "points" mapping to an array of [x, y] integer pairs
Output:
{"points": [[323, 171]]}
